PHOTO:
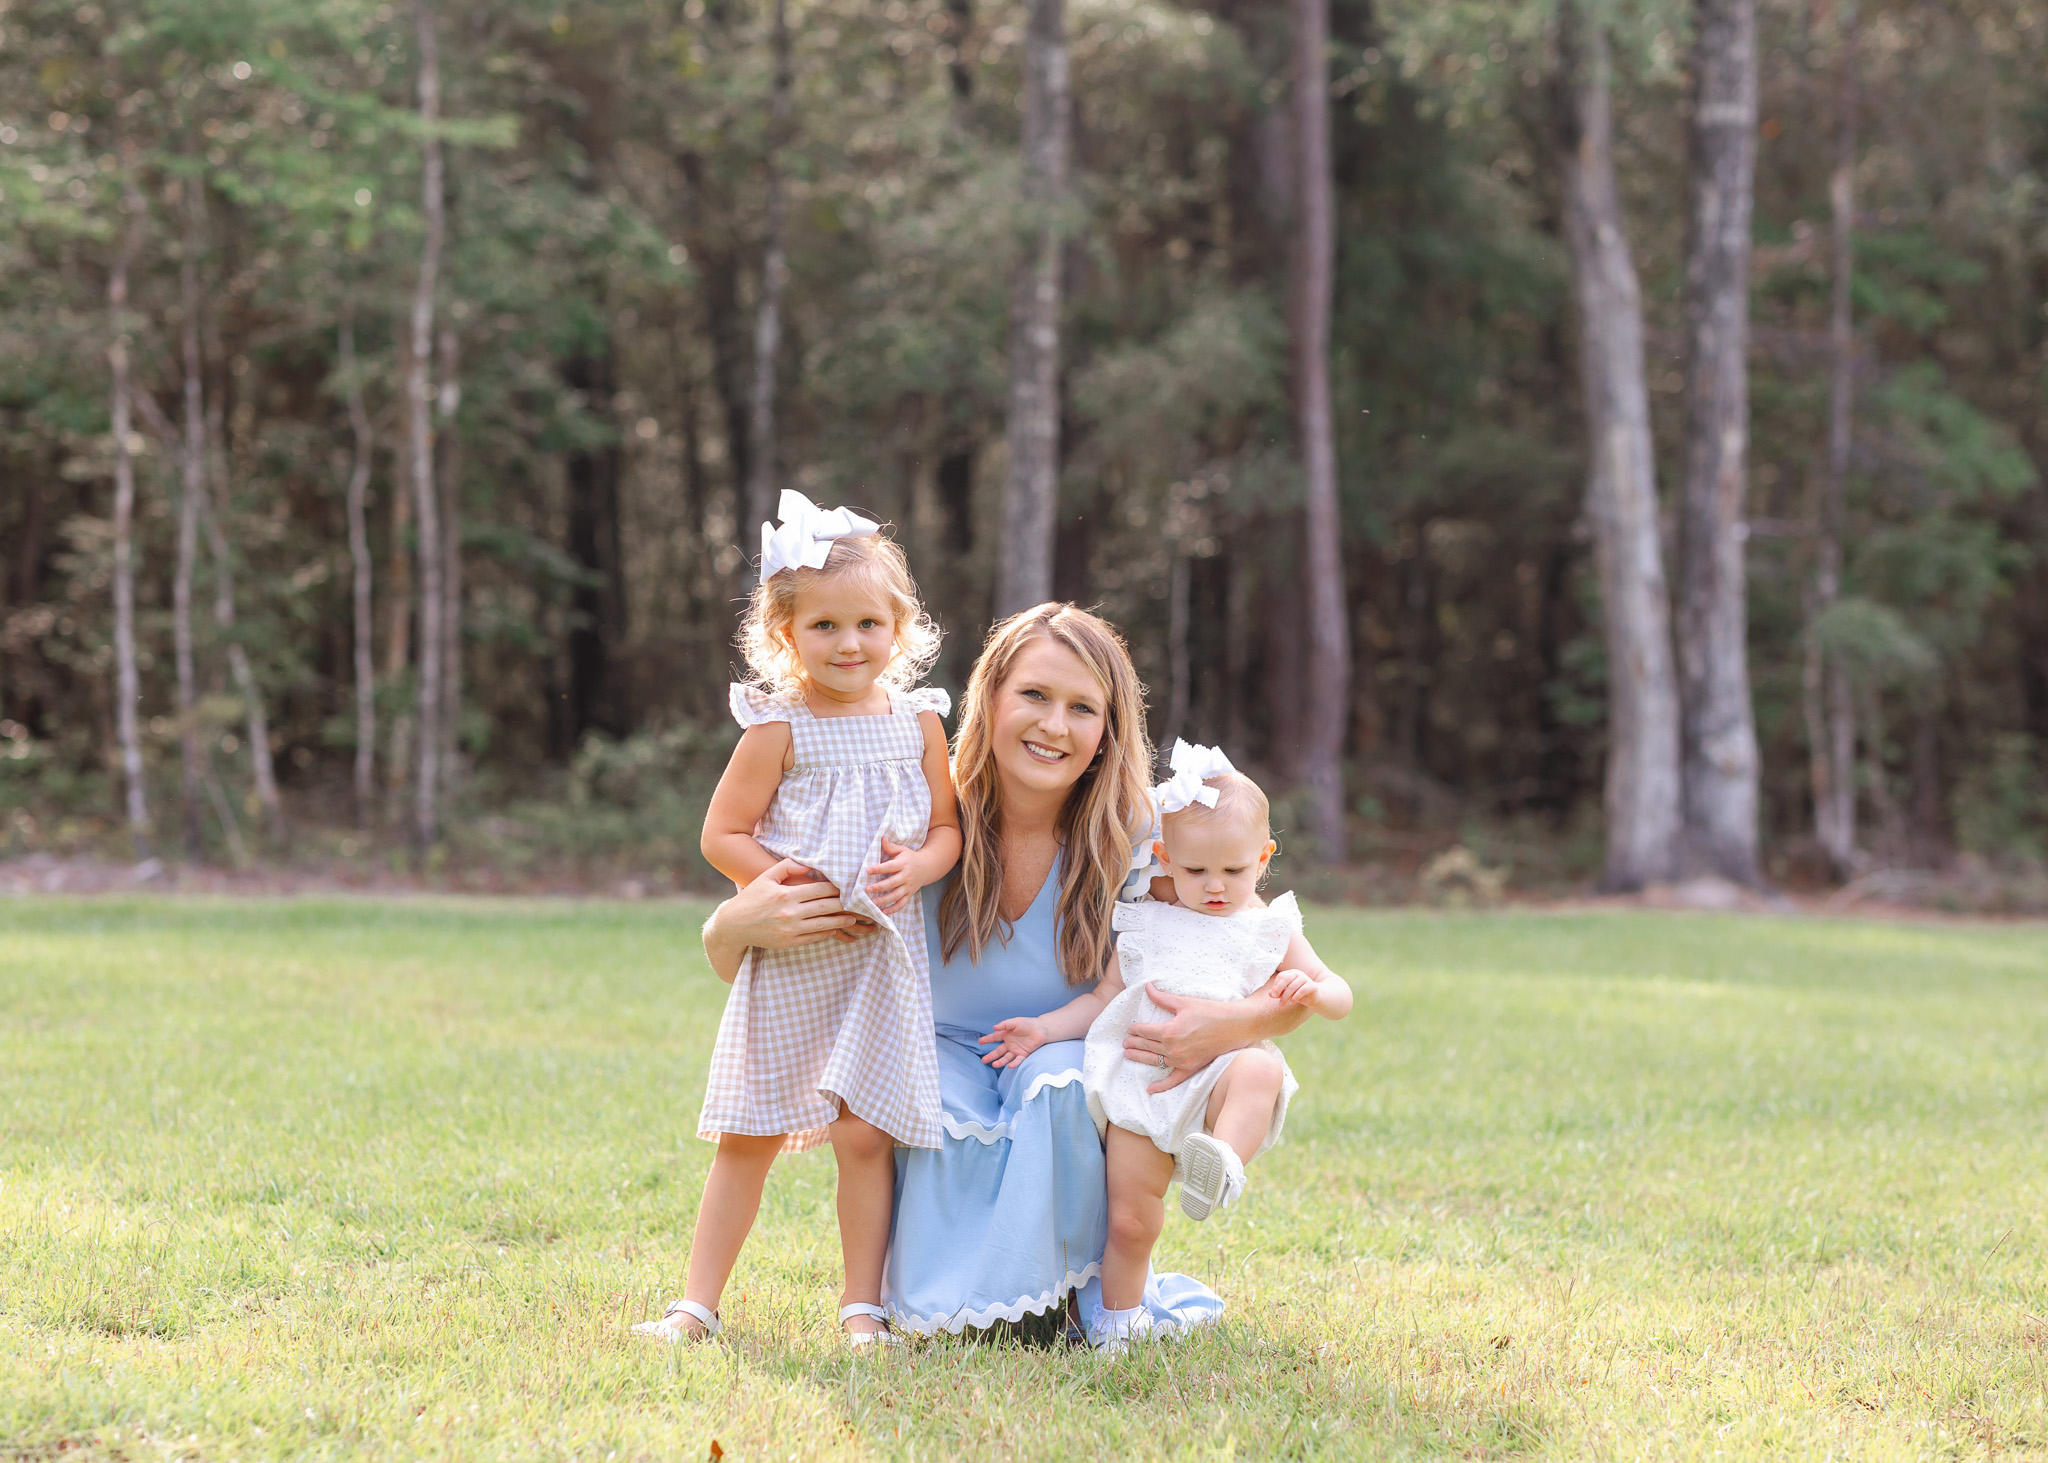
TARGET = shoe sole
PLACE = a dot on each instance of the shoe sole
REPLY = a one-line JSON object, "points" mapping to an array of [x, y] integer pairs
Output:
{"points": [[1203, 1177]]}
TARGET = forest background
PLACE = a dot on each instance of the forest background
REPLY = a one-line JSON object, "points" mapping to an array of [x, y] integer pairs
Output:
{"points": [[389, 398]]}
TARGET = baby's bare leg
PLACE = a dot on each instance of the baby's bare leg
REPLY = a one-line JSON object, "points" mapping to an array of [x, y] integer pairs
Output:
{"points": [[1241, 1106], [732, 1197], [867, 1193], [1138, 1176]]}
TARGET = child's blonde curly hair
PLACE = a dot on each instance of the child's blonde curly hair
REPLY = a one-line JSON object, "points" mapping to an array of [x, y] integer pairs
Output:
{"points": [[875, 563]]}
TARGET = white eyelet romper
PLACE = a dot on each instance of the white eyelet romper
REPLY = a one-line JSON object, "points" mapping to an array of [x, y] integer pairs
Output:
{"points": [[1217, 957], [832, 1024]]}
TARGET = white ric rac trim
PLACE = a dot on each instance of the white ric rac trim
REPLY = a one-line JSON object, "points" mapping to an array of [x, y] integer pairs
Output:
{"points": [[1030, 1305], [968, 1128]]}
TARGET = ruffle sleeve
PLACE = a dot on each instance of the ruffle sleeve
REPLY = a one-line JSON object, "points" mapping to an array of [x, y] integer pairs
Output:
{"points": [[927, 698], [1132, 923], [1281, 922], [1144, 867], [751, 706]]}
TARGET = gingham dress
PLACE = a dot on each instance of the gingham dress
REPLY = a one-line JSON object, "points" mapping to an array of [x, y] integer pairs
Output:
{"points": [[808, 1030]]}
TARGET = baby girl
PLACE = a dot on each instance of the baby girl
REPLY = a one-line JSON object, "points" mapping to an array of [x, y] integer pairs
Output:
{"points": [[1218, 942]]}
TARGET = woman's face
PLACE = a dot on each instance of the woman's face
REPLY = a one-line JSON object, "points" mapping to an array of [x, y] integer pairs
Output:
{"points": [[1049, 720]]}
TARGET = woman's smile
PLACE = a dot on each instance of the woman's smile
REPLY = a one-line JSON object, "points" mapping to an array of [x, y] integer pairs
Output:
{"points": [[1050, 718]]}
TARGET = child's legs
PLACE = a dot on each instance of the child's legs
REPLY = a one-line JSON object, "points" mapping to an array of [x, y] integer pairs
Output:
{"points": [[867, 1193], [732, 1197], [1138, 1176], [1241, 1106]]}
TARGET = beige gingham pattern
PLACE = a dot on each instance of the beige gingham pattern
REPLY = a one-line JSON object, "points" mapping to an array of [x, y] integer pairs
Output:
{"points": [[808, 1030]]}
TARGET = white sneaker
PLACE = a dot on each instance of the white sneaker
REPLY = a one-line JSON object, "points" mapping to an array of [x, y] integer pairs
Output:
{"points": [[1211, 1175], [1112, 1332]]}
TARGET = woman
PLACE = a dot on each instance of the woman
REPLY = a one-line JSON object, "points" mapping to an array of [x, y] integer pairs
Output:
{"points": [[1051, 763]]}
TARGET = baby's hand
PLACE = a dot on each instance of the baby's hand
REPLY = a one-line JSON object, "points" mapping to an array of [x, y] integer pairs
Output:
{"points": [[1019, 1036], [895, 882], [1294, 988]]}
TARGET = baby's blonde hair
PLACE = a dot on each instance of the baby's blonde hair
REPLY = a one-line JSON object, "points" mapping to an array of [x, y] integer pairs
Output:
{"points": [[1237, 798], [875, 563]]}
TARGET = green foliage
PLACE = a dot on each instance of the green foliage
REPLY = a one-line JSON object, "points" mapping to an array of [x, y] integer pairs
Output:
{"points": [[2001, 806], [607, 188]]}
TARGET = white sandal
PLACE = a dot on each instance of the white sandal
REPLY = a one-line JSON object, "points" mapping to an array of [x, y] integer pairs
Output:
{"points": [[859, 1339], [673, 1330]]}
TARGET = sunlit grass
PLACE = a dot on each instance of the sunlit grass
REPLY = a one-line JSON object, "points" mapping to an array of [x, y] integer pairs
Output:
{"points": [[392, 1179]]}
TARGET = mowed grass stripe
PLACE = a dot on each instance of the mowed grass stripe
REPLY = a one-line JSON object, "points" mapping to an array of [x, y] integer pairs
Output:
{"points": [[359, 1178]]}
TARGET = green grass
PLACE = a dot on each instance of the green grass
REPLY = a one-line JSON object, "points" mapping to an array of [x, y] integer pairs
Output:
{"points": [[333, 1179]]}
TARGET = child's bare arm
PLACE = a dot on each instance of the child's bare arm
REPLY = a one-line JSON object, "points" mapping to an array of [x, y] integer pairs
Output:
{"points": [[1303, 980], [903, 872], [1020, 1036], [742, 799]]}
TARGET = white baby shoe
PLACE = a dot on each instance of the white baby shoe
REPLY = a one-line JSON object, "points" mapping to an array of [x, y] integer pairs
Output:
{"points": [[1211, 1175], [1112, 1332]]}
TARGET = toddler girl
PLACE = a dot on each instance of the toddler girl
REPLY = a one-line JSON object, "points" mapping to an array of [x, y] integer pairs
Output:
{"points": [[1217, 942], [842, 768]]}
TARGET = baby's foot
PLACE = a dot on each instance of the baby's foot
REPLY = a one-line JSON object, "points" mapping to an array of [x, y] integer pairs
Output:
{"points": [[1211, 1175], [1112, 1332]]}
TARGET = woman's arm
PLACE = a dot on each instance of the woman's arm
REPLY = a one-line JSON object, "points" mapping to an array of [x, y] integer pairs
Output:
{"points": [[741, 801], [1198, 1031], [786, 906], [905, 871], [1020, 1036]]}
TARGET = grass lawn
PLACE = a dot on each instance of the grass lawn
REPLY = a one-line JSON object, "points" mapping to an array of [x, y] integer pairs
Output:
{"points": [[355, 1179]]}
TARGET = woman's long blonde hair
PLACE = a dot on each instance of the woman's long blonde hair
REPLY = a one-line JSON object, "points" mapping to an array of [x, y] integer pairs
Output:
{"points": [[1105, 812]]}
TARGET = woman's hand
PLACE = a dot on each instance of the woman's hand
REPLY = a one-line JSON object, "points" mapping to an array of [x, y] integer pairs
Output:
{"points": [[895, 879], [786, 907], [1199, 1031], [1019, 1036]]}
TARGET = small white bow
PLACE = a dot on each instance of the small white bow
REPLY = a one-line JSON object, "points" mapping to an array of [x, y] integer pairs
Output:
{"points": [[1191, 764], [807, 534]]}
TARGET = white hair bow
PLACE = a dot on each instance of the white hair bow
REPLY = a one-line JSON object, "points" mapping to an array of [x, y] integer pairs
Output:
{"points": [[807, 534], [1191, 764]]}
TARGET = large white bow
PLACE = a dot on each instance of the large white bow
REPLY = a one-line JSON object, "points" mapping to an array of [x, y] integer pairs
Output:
{"points": [[807, 534], [1191, 764]]}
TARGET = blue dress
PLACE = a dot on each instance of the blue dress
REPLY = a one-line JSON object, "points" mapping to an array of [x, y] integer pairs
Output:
{"points": [[1011, 1211]]}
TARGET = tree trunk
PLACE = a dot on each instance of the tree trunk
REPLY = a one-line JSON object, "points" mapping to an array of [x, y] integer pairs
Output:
{"points": [[761, 484], [398, 654], [419, 409], [1718, 730], [1642, 792], [191, 489], [448, 399], [1314, 266], [258, 724], [1830, 702], [598, 601], [959, 30], [128, 689], [359, 558], [1031, 487], [1177, 663]]}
